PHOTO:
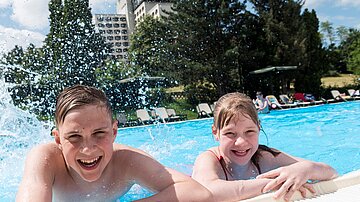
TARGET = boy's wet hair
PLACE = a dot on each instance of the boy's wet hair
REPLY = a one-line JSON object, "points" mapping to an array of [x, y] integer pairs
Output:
{"points": [[230, 105], [78, 96]]}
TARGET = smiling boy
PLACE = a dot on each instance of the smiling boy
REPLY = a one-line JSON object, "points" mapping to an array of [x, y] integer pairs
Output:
{"points": [[84, 163]]}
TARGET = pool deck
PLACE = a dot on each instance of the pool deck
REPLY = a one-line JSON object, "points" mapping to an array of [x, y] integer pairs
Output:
{"points": [[344, 188]]}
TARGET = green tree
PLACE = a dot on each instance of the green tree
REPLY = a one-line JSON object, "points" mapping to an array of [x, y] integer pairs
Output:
{"points": [[71, 54], [206, 42], [312, 60], [327, 30]]}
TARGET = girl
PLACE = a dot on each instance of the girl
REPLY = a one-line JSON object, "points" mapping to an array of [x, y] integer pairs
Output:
{"points": [[240, 168]]}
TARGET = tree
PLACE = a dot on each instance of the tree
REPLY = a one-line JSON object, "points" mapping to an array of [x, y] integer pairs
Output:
{"points": [[281, 37], [71, 54], [312, 61], [327, 30], [205, 47]]}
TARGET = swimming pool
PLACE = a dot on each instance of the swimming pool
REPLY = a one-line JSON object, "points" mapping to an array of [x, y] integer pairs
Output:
{"points": [[327, 133]]}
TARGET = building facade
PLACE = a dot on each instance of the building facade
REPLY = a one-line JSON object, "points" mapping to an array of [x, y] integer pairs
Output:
{"points": [[117, 28], [114, 29]]}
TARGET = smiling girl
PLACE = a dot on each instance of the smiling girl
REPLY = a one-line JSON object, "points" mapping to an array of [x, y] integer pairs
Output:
{"points": [[240, 168]]}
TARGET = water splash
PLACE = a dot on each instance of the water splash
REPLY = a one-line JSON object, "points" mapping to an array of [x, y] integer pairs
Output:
{"points": [[19, 132]]}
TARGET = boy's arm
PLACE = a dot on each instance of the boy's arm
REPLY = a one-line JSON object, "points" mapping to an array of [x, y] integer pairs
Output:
{"points": [[208, 172], [168, 184], [38, 178]]}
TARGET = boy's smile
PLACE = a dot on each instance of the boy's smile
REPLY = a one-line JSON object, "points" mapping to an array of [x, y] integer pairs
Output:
{"points": [[86, 138], [89, 164]]}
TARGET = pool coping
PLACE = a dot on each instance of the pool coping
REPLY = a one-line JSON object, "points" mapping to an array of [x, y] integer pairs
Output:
{"points": [[335, 186]]}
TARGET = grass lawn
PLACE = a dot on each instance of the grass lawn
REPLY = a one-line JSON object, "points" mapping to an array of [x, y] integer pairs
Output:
{"points": [[339, 81]]}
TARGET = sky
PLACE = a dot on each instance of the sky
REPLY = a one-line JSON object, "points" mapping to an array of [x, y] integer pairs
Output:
{"points": [[26, 21]]}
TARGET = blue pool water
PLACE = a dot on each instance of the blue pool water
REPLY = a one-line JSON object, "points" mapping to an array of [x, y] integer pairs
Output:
{"points": [[326, 133]]}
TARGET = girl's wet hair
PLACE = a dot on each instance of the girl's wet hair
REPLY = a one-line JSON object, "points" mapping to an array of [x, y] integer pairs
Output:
{"points": [[232, 104], [229, 106], [78, 96]]}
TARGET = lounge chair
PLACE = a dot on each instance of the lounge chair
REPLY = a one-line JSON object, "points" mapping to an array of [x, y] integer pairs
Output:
{"points": [[286, 100], [204, 110], [340, 96], [354, 93], [121, 118], [162, 114], [124, 122], [274, 103], [172, 113], [144, 117], [307, 99]]}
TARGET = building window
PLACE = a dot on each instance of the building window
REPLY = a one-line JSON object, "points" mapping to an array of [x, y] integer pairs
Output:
{"points": [[117, 43], [119, 50], [117, 31], [122, 19], [124, 31], [126, 44], [102, 31], [100, 18], [125, 50], [110, 38], [117, 37], [125, 37], [101, 25], [108, 18], [116, 25], [123, 25], [109, 31], [115, 19]]}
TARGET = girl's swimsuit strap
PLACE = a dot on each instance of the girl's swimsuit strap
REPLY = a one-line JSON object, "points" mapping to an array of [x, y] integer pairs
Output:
{"points": [[222, 163]]}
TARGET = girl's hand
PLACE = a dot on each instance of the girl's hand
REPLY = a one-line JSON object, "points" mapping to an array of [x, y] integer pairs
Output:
{"points": [[287, 180]]}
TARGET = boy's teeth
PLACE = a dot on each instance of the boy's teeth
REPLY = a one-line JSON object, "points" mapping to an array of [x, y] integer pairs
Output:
{"points": [[89, 161]]}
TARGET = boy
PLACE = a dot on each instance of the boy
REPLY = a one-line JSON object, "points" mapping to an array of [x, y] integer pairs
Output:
{"points": [[84, 163]]}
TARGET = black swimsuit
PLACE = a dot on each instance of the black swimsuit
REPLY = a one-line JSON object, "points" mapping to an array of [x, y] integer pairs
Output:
{"points": [[223, 164]]}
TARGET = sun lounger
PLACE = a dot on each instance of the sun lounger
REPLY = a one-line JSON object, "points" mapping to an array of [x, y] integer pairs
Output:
{"points": [[286, 100], [204, 110], [172, 113], [144, 117], [354, 93], [162, 114], [274, 103], [303, 100], [124, 122], [340, 96]]}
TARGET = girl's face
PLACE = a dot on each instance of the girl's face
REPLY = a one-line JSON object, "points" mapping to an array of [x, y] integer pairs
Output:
{"points": [[238, 140], [86, 139]]}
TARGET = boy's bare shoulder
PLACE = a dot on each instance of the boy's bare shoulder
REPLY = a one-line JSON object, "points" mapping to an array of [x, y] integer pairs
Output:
{"points": [[47, 151], [121, 149]]}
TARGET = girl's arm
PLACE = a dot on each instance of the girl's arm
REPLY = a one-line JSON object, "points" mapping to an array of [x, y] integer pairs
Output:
{"points": [[208, 171], [292, 174]]}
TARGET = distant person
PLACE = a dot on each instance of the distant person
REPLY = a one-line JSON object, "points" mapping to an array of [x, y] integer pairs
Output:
{"points": [[261, 103], [240, 168], [84, 163]]}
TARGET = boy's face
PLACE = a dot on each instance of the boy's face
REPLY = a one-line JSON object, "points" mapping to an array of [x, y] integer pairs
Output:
{"points": [[86, 139]]}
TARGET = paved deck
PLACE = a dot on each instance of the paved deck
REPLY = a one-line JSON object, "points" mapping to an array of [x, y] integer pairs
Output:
{"points": [[344, 188]]}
